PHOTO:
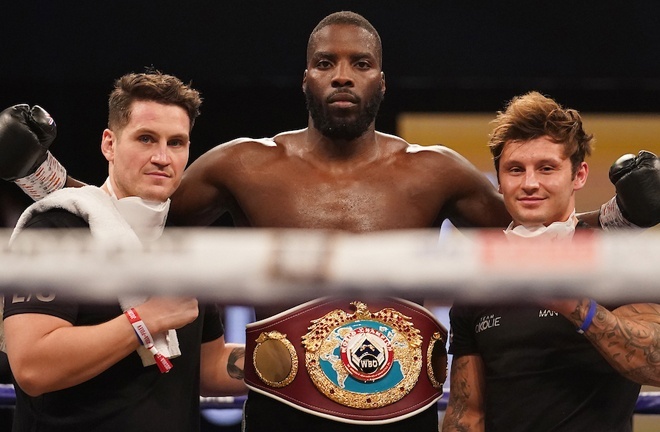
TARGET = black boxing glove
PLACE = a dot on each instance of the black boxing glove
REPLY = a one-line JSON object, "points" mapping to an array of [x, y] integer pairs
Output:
{"points": [[637, 200], [25, 136]]}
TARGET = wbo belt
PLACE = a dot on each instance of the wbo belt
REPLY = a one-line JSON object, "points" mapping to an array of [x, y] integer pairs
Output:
{"points": [[349, 361]]}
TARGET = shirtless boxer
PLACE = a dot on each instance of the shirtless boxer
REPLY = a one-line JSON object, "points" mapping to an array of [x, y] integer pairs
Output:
{"points": [[340, 173]]}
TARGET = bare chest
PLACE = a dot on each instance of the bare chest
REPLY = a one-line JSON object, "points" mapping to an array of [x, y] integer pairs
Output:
{"points": [[368, 201]]}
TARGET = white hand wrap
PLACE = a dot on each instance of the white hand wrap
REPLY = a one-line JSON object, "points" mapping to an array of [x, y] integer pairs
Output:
{"points": [[611, 217], [49, 177]]}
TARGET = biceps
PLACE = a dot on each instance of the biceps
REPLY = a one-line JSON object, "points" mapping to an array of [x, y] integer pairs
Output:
{"points": [[479, 205], [197, 201], [23, 332]]}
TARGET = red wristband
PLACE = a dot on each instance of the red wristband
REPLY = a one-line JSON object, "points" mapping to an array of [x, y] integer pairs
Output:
{"points": [[142, 332]]}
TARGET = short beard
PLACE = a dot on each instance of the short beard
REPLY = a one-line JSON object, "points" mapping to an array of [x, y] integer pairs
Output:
{"points": [[338, 128]]}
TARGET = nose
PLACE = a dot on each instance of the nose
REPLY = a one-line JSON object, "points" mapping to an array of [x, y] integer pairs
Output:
{"points": [[161, 155], [530, 181], [342, 77]]}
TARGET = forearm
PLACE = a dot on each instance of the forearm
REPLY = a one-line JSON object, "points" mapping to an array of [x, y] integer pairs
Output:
{"points": [[590, 218], [71, 182], [628, 338], [67, 355], [464, 411], [222, 369]]}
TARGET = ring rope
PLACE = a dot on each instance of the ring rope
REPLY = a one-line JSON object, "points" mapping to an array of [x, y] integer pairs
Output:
{"points": [[260, 266]]}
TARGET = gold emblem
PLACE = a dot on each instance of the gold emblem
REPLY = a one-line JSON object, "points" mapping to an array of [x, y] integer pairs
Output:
{"points": [[436, 363], [363, 360], [275, 359]]}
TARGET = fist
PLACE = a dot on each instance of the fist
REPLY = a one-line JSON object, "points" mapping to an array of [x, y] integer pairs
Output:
{"points": [[637, 183], [25, 135]]}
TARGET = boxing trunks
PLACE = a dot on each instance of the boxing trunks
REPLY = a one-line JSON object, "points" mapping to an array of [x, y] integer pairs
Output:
{"points": [[364, 363]]}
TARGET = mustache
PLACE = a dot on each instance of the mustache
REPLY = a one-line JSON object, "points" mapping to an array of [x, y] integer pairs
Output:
{"points": [[354, 98]]}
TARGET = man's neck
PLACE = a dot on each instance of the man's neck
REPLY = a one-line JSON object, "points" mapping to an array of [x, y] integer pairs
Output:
{"points": [[553, 231], [363, 148]]}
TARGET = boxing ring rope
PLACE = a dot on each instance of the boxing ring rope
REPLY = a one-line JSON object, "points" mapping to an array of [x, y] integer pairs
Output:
{"points": [[255, 266], [259, 267]]}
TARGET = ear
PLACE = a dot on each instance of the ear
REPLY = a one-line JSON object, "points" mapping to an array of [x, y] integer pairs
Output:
{"points": [[382, 82], [304, 80], [581, 176], [108, 145], [499, 188]]}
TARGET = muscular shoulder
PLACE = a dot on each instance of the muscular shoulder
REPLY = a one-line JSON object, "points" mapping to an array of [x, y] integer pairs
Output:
{"points": [[241, 151], [442, 160], [436, 152]]}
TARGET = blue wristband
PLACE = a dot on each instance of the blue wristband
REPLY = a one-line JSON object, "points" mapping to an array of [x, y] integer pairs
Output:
{"points": [[589, 318]]}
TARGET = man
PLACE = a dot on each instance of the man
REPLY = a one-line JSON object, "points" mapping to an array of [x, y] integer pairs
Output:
{"points": [[525, 367], [81, 367], [338, 173]]}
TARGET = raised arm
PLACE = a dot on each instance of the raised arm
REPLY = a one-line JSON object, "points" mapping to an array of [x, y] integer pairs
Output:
{"points": [[203, 195], [465, 409], [472, 200]]}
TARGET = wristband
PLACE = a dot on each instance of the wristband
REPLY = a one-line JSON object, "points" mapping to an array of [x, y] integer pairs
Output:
{"points": [[611, 218], [142, 332], [589, 318], [49, 177]]}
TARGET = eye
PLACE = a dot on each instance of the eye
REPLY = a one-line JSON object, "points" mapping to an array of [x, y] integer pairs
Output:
{"points": [[323, 64], [515, 170], [176, 143], [363, 64], [146, 139]]}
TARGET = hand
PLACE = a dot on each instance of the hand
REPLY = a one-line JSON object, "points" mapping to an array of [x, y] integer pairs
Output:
{"points": [[637, 183], [25, 136], [164, 313]]}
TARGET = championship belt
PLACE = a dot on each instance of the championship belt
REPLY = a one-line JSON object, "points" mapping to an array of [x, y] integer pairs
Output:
{"points": [[349, 361]]}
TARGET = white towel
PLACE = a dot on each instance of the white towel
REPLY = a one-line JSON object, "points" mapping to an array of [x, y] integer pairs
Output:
{"points": [[109, 226]]}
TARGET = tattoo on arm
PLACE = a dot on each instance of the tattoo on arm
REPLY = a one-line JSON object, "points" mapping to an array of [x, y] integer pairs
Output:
{"points": [[629, 339], [460, 393], [233, 370]]}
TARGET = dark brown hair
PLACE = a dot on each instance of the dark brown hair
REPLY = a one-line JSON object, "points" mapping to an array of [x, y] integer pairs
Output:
{"points": [[150, 86], [534, 115]]}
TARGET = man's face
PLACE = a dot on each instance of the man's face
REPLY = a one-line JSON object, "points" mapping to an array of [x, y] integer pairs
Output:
{"points": [[537, 182], [343, 83], [147, 157]]}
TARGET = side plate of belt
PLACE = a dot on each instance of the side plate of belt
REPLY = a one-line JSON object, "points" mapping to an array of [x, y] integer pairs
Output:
{"points": [[371, 362]]}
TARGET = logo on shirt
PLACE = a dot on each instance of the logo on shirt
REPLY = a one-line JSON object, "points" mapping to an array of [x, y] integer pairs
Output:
{"points": [[544, 313], [17, 298], [487, 322]]}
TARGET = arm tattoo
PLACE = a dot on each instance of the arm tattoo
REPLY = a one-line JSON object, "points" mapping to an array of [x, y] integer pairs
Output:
{"points": [[460, 393], [629, 339], [233, 370]]}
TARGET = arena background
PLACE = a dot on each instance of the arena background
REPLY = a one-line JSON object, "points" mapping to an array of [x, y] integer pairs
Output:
{"points": [[450, 65]]}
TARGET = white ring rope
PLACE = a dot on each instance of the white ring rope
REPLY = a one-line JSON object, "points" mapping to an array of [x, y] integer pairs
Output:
{"points": [[258, 266]]}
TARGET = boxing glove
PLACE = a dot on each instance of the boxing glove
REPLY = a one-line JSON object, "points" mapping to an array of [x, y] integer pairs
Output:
{"points": [[25, 136], [637, 200]]}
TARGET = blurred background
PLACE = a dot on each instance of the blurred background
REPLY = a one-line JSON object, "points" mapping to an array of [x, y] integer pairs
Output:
{"points": [[450, 66]]}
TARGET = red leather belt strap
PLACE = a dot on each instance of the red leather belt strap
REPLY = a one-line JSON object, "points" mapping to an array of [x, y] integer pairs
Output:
{"points": [[387, 317]]}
